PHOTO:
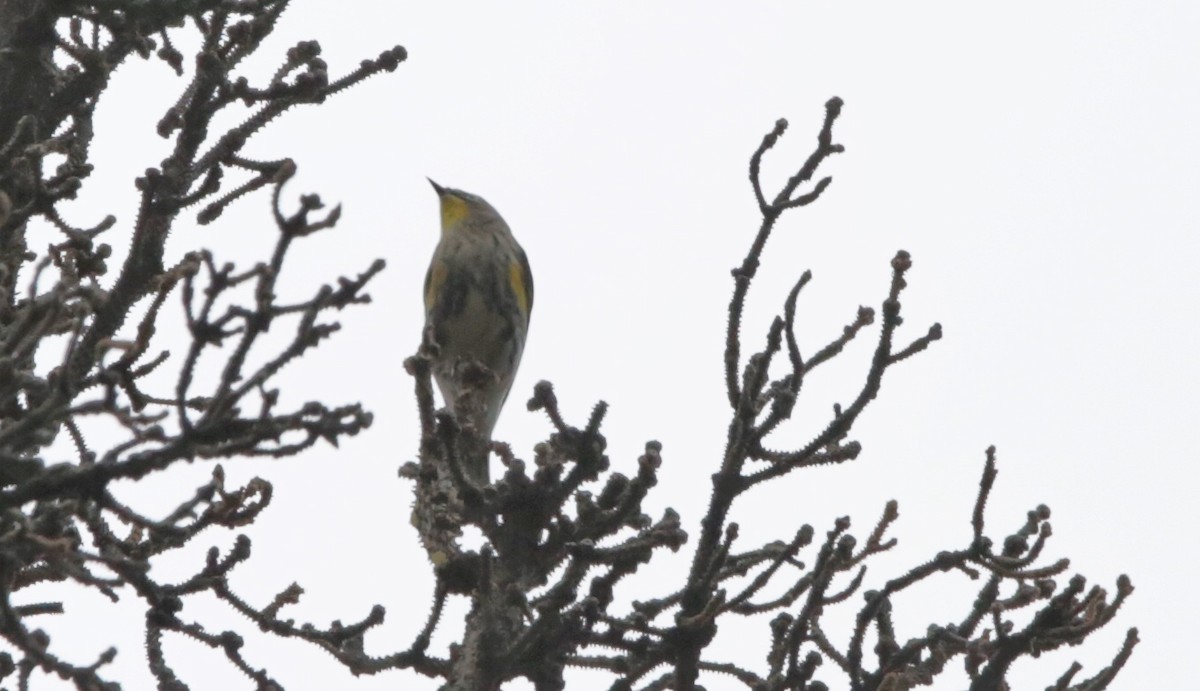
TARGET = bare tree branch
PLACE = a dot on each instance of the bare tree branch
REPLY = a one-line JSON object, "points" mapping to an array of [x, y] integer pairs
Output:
{"points": [[562, 534]]}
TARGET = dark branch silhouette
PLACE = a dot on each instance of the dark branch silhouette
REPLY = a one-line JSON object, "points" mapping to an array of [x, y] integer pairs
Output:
{"points": [[562, 534], [542, 589], [59, 518]]}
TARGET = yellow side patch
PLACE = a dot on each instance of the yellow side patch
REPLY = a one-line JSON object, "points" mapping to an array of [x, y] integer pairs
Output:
{"points": [[433, 282], [454, 210], [516, 278]]}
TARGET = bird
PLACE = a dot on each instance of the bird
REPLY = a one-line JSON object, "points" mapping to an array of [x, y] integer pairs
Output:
{"points": [[478, 298]]}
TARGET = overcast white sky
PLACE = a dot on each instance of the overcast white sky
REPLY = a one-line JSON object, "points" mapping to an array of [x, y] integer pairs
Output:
{"points": [[1039, 162]]}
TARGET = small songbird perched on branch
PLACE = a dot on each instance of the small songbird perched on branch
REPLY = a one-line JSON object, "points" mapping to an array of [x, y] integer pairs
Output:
{"points": [[478, 295]]}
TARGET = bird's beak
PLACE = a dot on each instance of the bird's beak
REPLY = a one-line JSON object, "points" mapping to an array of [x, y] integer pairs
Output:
{"points": [[436, 187]]}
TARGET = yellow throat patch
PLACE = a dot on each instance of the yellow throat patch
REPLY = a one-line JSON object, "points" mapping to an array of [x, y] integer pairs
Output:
{"points": [[454, 210]]}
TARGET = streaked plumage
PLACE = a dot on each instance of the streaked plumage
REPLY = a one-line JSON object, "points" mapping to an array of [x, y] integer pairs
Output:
{"points": [[478, 296]]}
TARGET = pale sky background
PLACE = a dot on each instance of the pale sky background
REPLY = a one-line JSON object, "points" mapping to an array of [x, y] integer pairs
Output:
{"points": [[1039, 161]]}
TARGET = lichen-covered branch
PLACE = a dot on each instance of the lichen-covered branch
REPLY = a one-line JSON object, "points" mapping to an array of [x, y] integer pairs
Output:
{"points": [[563, 535], [61, 520], [542, 589]]}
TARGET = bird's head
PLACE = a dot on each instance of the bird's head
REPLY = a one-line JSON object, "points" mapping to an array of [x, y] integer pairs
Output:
{"points": [[463, 209]]}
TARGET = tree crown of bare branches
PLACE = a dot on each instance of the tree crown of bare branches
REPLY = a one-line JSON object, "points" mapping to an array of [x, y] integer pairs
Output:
{"points": [[561, 535]]}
